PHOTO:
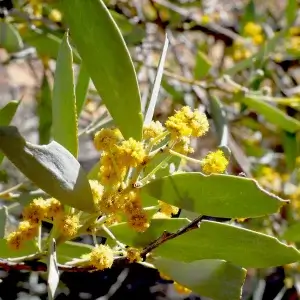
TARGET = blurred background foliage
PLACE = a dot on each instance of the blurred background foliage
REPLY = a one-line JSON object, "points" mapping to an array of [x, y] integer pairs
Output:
{"points": [[236, 60]]}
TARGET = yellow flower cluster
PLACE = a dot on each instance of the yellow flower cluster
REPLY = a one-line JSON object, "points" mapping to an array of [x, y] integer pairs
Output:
{"points": [[37, 211], [293, 42], [101, 257], [153, 130], [133, 254], [240, 52], [187, 123], [255, 32], [214, 162]]}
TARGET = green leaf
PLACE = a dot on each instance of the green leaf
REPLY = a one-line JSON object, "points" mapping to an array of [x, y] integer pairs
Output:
{"points": [[265, 49], [249, 14], [82, 86], [290, 146], [10, 38], [234, 197], [130, 237], [157, 84], [53, 272], [219, 118], [6, 115], [64, 117], [292, 234], [28, 248], [291, 11], [44, 112], [203, 65], [109, 65], [3, 221], [216, 279], [271, 113], [7, 112], [239, 246], [51, 167], [71, 250]]}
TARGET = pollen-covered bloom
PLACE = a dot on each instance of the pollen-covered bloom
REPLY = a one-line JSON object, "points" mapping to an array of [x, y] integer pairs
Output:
{"points": [[187, 123], [35, 211], [101, 257], [252, 29], [106, 138], [112, 170], [68, 225], [111, 202], [54, 208], [97, 190], [28, 230], [167, 209], [133, 254], [132, 152], [153, 130], [214, 162], [139, 221], [15, 240], [183, 146]]}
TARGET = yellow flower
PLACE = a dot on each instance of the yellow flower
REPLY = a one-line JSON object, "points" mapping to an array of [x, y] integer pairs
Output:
{"points": [[101, 257], [153, 130], [35, 211], [205, 19], [55, 15], [15, 240], [28, 230], [187, 123], [168, 209], [133, 254], [139, 221], [183, 146], [97, 190], [106, 138], [54, 208], [68, 225], [214, 162], [258, 39], [252, 29], [132, 153], [111, 203], [112, 170]]}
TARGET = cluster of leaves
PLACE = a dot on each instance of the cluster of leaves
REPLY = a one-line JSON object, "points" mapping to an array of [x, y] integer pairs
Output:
{"points": [[139, 196]]}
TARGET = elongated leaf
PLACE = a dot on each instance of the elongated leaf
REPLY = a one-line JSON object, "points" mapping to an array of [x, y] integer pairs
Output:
{"points": [[3, 220], [203, 65], [109, 65], [291, 11], [51, 167], [64, 127], [240, 246], [53, 273], [82, 85], [216, 279], [219, 118], [234, 197], [263, 52], [292, 234], [71, 250], [290, 145], [272, 114], [7, 112], [6, 115], [129, 236], [44, 112], [9, 37], [157, 84]]}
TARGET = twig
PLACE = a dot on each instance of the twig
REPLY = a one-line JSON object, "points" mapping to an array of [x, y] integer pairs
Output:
{"points": [[166, 236]]}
